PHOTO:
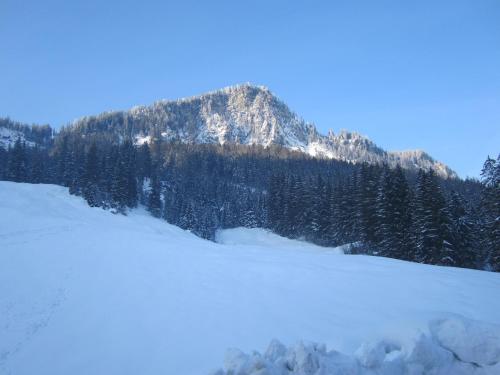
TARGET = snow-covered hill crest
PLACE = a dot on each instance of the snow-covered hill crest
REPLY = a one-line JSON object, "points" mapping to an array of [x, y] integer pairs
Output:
{"points": [[248, 115]]}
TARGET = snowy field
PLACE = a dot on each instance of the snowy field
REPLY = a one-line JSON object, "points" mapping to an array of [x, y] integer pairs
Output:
{"points": [[83, 291]]}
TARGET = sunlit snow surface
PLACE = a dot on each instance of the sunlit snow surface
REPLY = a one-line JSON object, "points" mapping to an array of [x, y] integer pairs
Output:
{"points": [[83, 291]]}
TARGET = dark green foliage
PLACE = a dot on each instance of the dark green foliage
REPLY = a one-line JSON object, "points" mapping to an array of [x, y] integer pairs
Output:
{"points": [[394, 215], [366, 202], [432, 223], [154, 201], [17, 170], [144, 163], [490, 213], [464, 229], [91, 177], [202, 188]]}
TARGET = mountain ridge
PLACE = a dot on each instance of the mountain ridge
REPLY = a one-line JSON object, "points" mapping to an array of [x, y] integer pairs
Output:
{"points": [[245, 114], [252, 115]]}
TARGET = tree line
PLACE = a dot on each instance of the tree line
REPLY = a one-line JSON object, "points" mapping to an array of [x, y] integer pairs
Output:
{"points": [[202, 188]]}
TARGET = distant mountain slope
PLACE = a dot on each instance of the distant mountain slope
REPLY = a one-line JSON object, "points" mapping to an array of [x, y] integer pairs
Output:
{"points": [[248, 115], [31, 135]]}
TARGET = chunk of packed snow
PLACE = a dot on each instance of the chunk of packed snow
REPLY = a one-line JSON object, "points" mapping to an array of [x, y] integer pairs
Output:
{"points": [[373, 354], [471, 341], [274, 351], [425, 355], [385, 357]]}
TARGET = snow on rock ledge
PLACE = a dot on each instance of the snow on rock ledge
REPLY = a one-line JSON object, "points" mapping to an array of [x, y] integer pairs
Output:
{"points": [[455, 346]]}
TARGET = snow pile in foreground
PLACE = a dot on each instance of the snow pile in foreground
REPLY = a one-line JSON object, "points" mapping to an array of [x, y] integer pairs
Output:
{"points": [[454, 346]]}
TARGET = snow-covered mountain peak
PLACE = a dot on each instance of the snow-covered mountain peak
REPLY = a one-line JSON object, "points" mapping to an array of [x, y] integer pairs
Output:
{"points": [[243, 88], [247, 114]]}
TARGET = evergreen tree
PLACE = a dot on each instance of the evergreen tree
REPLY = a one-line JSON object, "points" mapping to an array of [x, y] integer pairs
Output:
{"points": [[296, 208], [321, 207], [393, 211], [187, 218], [3, 163], [433, 227], [490, 209], [119, 183], [249, 219], [154, 202], [16, 168], [276, 203], [91, 177], [61, 154], [463, 229], [124, 183], [37, 167], [367, 206]]}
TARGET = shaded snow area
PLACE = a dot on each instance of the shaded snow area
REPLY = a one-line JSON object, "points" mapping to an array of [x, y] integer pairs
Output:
{"points": [[83, 291]]}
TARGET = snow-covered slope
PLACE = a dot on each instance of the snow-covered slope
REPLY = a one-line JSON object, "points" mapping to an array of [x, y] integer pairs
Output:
{"points": [[8, 138], [83, 291], [29, 135], [247, 115]]}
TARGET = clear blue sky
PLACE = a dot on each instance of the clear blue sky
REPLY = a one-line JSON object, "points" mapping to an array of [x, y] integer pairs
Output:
{"points": [[408, 74]]}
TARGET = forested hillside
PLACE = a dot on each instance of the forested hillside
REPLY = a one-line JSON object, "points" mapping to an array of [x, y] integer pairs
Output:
{"points": [[247, 115], [33, 135], [377, 209]]}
